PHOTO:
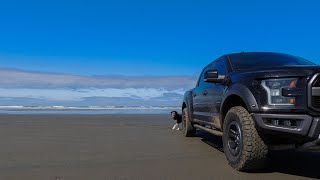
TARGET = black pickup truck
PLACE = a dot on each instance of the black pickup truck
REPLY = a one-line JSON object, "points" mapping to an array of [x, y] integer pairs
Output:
{"points": [[257, 102]]}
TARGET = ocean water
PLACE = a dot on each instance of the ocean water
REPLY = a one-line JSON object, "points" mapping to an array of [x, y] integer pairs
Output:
{"points": [[87, 110]]}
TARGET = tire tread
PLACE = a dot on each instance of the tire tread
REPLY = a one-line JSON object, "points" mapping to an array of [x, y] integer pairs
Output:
{"points": [[254, 150], [189, 131]]}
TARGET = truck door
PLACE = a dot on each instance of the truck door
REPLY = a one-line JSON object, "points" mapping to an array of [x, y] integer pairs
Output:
{"points": [[199, 98], [214, 94]]}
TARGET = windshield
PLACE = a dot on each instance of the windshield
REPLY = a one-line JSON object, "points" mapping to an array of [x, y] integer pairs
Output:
{"points": [[256, 60]]}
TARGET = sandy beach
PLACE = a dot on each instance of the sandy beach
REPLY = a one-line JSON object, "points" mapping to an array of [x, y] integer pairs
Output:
{"points": [[74, 147]]}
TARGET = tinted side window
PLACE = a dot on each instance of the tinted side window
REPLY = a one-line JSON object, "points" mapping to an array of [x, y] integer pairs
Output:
{"points": [[201, 79], [220, 67]]}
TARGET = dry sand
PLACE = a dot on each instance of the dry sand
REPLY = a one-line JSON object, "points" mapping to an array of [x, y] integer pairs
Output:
{"points": [[74, 147]]}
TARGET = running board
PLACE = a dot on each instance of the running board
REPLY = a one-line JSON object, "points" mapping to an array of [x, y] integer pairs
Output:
{"points": [[212, 131]]}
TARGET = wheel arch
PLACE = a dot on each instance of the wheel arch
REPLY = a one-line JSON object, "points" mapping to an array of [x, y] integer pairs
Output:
{"points": [[238, 95], [187, 103]]}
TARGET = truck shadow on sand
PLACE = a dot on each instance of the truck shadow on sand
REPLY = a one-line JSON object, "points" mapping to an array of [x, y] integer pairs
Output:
{"points": [[304, 164]]}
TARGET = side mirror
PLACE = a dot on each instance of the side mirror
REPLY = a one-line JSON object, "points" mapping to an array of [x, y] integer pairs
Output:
{"points": [[212, 76]]}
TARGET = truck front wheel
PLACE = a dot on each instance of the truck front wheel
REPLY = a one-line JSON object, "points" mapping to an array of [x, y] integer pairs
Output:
{"points": [[187, 128], [243, 147]]}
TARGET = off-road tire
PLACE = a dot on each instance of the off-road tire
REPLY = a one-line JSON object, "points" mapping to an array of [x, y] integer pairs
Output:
{"points": [[187, 128], [252, 149]]}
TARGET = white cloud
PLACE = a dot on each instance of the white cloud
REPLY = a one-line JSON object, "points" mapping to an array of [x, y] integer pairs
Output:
{"points": [[80, 94], [10, 78], [29, 88]]}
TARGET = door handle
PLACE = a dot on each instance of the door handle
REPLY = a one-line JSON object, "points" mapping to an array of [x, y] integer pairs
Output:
{"points": [[205, 92]]}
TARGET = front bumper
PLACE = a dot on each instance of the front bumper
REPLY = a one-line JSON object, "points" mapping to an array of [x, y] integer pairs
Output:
{"points": [[288, 124]]}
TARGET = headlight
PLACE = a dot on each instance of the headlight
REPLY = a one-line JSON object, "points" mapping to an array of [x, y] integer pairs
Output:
{"points": [[274, 90]]}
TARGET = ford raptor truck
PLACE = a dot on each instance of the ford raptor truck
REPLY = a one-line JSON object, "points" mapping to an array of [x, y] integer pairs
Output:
{"points": [[257, 102]]}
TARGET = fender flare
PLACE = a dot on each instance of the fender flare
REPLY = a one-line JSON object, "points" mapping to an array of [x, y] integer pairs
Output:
{"points": [[187, 99], [245, 94]]}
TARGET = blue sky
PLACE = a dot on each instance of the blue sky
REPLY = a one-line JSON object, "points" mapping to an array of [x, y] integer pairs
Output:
{"points": [[148, 38]]}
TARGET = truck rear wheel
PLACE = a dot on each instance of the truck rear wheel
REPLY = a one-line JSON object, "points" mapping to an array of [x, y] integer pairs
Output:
{"points": [[243, 147], [187, 128]]}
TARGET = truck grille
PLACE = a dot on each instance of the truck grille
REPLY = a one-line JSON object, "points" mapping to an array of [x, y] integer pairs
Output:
{"points": [[314, 92], [316, 101], [316, 83]]}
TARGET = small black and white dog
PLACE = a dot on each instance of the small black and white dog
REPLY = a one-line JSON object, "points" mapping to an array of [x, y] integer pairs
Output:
{"points": [[178, 118]]}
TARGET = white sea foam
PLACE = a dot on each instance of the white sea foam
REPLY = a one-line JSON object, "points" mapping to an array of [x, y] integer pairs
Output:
{"points": [[88, 107]]}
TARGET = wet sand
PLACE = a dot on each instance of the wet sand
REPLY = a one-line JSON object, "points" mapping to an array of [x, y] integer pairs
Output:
{"points": [[89, 147]]}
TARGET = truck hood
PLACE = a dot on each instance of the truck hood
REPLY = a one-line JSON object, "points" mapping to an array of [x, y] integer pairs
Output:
{"points": [[280, 72]]}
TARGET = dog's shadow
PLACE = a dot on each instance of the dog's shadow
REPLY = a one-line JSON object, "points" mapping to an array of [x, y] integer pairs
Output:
{"points": [[304, 164]]}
